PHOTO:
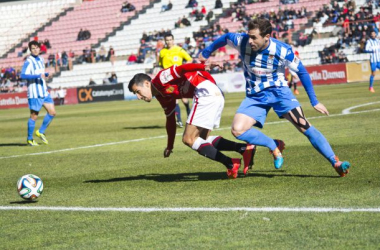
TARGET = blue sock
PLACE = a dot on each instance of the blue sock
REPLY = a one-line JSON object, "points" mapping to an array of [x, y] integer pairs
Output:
{"points": [[320, 144], [47, 120], [31, 125], [178, 113], [371, 81], [256, 137]]}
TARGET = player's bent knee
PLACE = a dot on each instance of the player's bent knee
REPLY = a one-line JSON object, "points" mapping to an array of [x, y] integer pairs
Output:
{"points": [[188, 141], [237, 131]]}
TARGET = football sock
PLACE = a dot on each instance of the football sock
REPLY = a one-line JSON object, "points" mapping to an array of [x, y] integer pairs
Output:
{"points": [[371, 81], [187, 105], [208, 150], [225, 145], [178, 113], [256, 137], [31, 125], [47, 120], [320, 144]]}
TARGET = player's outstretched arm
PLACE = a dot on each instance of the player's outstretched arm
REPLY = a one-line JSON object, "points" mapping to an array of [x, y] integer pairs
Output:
{"points": [[233, 38]]}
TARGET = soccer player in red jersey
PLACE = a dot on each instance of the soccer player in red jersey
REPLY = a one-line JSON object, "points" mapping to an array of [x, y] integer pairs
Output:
{"points": [[193, 81]]}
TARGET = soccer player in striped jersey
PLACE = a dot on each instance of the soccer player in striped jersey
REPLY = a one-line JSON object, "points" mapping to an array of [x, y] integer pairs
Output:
{"points": [[187, 81], [373, 46], [264, 61], [33, 71]]}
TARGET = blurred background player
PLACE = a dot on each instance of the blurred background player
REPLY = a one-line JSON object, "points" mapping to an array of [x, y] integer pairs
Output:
{"points": [[264, 62], [33, 71], [174, 55], [373, 46], [191, 80]]}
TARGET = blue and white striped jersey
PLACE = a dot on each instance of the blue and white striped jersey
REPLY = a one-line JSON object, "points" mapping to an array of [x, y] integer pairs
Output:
{"points": [[373, 46], [31, 71], [265, 68]]}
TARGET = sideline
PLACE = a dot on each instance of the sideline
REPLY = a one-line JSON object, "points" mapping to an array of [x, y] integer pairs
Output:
{"points": [[197, 209], [164, 136]]}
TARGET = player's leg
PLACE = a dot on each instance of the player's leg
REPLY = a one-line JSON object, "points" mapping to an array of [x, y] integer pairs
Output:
{"points": [[195, 137], [316, 138], [204, 116], [35, 105], [186, 102], [50, 109], [178, 115], [31, 125], [372, 77]]}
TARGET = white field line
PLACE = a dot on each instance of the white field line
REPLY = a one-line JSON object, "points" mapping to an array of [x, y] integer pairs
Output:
{"points": [[348, 110], [164, 136], [196, 209]]}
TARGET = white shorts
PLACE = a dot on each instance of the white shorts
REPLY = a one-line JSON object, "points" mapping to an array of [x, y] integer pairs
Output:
{"points": [[208, 104]]}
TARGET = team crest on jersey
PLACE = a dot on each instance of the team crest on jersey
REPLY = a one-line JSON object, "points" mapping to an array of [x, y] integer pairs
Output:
{"points": [[170, 90], [270, 59], [175, 58]]}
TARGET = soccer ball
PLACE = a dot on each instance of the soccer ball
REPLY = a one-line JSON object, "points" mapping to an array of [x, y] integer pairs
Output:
{"points": [[30, 187]]}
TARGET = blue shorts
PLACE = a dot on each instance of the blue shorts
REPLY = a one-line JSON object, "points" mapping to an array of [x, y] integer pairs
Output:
{"points": [[37, 103], [258, 105], [374, 66]]}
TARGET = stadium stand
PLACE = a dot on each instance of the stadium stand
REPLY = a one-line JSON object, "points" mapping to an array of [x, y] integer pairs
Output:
{"points": [[23, 18]]}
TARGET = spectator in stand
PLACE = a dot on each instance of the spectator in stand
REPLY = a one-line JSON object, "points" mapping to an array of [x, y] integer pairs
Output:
{"points": [[185, 22], [218, 4], [65, 59], [140, 58], [106, 79], [51, 60], [102, 54], [192, 4], [167, 7], [111, 55], [80, 35], [209, 16], [132, 59], [47, 43], [91, 82], [43, 49], [113, 78], [127, 7], [86, 56], [150, 57]]}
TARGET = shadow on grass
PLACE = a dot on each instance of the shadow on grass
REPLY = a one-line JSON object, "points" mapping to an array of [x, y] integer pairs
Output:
{"points": [[13, 145], [145, 127], [203, 176], [23, 202]]}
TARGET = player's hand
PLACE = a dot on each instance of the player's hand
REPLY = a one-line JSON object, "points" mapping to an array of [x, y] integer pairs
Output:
{"points": [[321, 109], [201, 58], [167, 152], [211, 65], [43, 76]]}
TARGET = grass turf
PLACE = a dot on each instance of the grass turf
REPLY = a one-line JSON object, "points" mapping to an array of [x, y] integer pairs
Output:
{"points": [[133, 173]]}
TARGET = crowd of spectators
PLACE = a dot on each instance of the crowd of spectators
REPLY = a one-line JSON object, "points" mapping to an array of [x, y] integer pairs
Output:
{"points": [[355, 26]]}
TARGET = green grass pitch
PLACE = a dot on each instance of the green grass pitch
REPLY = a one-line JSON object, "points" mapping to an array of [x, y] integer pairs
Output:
{"points": [[110, 155]]}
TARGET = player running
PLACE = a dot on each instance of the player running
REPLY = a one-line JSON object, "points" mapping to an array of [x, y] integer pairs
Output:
{"points": [[264, 60], [33, 71], [191, 80], [373, 46]]}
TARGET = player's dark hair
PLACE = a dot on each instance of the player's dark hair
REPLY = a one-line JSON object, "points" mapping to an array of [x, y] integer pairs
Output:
{"points": [[33, 43], [168, 34], [138, 80], [263, 25]]}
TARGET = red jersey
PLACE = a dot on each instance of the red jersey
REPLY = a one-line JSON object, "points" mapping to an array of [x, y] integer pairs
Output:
{"points": [[174, 83]]}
